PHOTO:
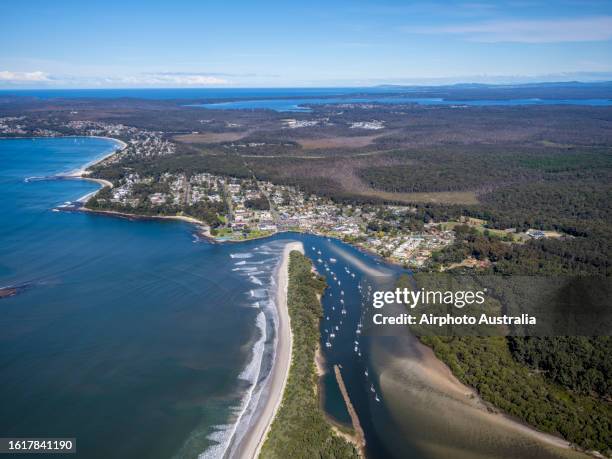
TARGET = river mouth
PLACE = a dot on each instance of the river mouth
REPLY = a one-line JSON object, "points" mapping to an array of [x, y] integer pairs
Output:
{"points": [[150, 338], [409, 403]]}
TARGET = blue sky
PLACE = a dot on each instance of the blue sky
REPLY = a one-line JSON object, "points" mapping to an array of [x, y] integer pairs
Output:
{"points": [[316, 43]]}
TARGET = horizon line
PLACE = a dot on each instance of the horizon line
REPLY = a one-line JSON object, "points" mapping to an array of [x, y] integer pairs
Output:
{"points": [[379, 85]]}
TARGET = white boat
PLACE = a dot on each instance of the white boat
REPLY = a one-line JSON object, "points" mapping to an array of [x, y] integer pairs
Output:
{"points": [[372, 388], [343, 311], [352, 274], [366, 372], [376, 398], [328, 344], [333, 260]]}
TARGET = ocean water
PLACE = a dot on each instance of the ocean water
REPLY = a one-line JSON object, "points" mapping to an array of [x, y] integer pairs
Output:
{"points": [[132, 336], [290, 99], [189, 93], [141, 340], [301, 104]]}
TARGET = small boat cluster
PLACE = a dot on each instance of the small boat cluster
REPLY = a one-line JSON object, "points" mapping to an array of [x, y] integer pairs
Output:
{"points": [[336, 323]]}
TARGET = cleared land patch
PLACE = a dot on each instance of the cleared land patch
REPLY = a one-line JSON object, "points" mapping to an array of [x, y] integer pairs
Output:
{"points": [[338, 142], [211, 137], [434, 197]]}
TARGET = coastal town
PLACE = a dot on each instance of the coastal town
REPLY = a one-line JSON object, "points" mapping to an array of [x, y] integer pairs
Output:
{"points": [[239, 209], [251, 209], [232, 209]]}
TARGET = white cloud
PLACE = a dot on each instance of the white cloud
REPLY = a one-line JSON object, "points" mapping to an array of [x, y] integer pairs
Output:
{"points": [[164, 79], [156, 79], [182, 79], [23, 77], [528, 31]]}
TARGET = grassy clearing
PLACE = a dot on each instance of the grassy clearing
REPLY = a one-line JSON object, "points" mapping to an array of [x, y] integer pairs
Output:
{"points": [[337, 142], [436, 197], [211, 137], [479, 225]]}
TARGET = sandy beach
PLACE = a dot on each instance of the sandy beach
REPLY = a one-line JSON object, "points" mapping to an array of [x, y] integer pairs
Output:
{"points": [[83, 172], [418, 387], [257, 432]]}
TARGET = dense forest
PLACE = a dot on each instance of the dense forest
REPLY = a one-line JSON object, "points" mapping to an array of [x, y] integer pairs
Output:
{"points": [[488, 365], [480, 167], [559, 384], [299, 429], [547, 167], [576, 362]]}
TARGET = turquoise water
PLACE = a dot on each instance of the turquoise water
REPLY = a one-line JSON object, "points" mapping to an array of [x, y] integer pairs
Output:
{"points": [[135, 337], [301, 104], [127, 335], [140, 340], [190, 93]]}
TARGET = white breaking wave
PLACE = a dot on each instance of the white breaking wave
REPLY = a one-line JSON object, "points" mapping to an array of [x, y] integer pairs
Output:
{"points": [[251, 273], [241, 255], [258, 293], [255, 280], [223, 436], [245, 268], [231, 434]]}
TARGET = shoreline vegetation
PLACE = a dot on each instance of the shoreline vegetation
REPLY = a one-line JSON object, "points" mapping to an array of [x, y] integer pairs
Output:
{"points": [[544, 411], [423, 368], [551, 412], [251, 444], [300, 428], [202, 224]]}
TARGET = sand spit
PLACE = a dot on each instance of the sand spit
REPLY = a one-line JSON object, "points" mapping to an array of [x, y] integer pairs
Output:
{"points": [[254, 438], [359, 438], [422, 395]]}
